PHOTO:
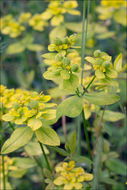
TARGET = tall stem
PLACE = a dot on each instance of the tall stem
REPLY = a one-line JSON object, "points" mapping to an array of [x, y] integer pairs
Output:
{"points": [[84, 36], [3, 172], [86, 135], [47, 162], [79, 136]]}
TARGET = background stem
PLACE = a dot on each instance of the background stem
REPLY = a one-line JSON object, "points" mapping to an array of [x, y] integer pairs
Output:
{"points": [[86, 135], [47, 162], [3, 172]]}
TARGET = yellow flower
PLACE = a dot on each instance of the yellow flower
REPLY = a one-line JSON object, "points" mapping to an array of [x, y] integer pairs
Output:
{"points": [[26, 107], [11, 27], [37, 22], [70, 176], [24, 17], [57, 9]]}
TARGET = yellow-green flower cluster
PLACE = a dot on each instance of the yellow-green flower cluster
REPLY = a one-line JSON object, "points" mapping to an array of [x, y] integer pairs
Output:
{"points": [[113, 9], [24, 107], [65, 61], [56, 10], [102, 64], [24, 17], [9, 26], [70, 176], [37, 22]]}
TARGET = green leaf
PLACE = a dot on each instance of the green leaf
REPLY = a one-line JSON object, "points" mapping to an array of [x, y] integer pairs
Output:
{"points": [[24, 162], [108, 181], [19, 138], [76, 27], [70, 107], [17, 173], [72, 142], [116, 166], [33, 149], [120, 16], [105, 35], [101, 98], [118, 63], [99, 74], [15, 48], [65, 74], [60, 151], [71, 84], [34, 123], [91, 60], [48, 136], [82, 159], [58, 32], [49, 55], [112, 116], [35, 47]]}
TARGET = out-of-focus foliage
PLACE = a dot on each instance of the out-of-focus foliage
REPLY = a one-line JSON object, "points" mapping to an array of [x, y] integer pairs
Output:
{"points": [[41, 51]]}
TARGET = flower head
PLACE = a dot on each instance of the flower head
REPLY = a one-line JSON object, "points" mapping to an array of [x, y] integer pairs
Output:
{"points": [[26, 107], [71, 176]]}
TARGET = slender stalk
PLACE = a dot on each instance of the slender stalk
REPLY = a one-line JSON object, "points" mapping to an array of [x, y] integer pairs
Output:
{"points": [[88, 85], [84, 36], [78, 136], [26, 64], [3, 172], [83, 41], [10, 124], [64, 122], [38, 162], [86, 135], [47, 162], [99, 130]]}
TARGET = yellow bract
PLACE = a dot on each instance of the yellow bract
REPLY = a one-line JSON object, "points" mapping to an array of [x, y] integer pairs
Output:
{"points": [[56, 10], [9, 26], [70, 176], [37, 22], [26, 107], [24, 17]]}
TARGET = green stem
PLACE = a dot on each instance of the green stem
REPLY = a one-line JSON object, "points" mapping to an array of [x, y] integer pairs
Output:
{"points": [[47, 162], [84, 36], [88, 85], [38, 162], [26, 64], [3, 172], [79, 136], [11, 126], [86, 135]]}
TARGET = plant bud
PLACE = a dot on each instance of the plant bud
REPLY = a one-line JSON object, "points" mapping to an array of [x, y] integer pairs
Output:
{"points": [[97, 53], [16, 105], [65, 41], [33, 104], [57, 41], [106, 64], [66, 61], [59, 57], [74, 68]]}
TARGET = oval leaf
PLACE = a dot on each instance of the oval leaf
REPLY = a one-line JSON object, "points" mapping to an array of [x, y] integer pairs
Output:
{"points": [[101, 98], [19, 138], [70, 107], [48, 136]]}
